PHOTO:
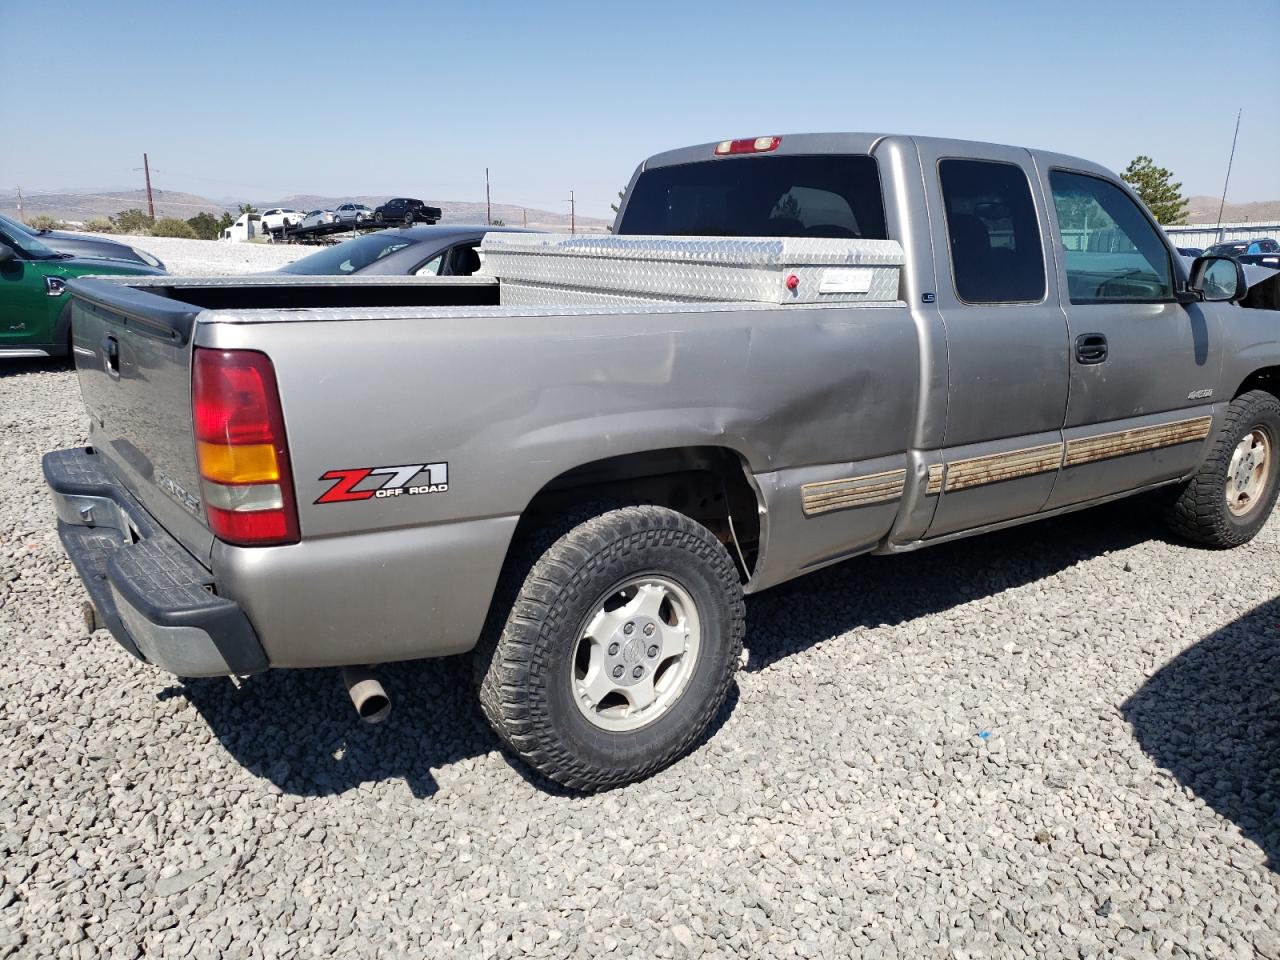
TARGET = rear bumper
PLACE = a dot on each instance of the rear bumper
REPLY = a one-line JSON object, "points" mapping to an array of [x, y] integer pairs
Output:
{"points": [[155, 598]]}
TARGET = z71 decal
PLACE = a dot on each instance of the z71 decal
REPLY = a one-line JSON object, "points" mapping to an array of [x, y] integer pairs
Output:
{"points": [[408, 480]]}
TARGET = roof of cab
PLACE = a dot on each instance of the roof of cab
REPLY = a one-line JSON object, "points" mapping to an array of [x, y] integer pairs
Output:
{"points": [[865, 143]]}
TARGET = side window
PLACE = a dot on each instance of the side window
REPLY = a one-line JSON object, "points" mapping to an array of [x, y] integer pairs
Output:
{"points": [[431, 268], [464, 260], [1112, 252], [996, 253]]}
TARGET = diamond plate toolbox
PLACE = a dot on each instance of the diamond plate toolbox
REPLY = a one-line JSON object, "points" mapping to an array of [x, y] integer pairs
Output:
{"points": [[563, 268]]}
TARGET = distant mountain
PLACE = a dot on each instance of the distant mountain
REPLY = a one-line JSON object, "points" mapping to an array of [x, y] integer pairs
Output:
{"points": [[79, 206], [1205, 210], [455, 211]]}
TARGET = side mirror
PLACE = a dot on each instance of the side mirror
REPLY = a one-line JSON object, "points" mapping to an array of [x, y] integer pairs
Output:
{"points": [[6, 253], [1218, 279]]}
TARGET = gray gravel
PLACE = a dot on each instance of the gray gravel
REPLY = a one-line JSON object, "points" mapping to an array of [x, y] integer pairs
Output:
{"points": [[212, 258], [1058, 741]]}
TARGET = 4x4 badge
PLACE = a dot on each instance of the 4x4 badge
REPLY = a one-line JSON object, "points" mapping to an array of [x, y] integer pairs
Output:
{"points": [[410, 479]]}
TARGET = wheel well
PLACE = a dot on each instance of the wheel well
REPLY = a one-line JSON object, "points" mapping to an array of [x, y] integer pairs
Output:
{"points": [[707, 484], [1268, 379]]}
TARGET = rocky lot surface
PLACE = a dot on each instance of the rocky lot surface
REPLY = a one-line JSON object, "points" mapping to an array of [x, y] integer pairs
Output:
{"points": [[1059, 741], [209, 258]]}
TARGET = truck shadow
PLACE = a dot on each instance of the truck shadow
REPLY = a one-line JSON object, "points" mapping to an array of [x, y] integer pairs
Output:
{"points": [[1211, 717], [23, 365], [890, 590], [297, 729]]}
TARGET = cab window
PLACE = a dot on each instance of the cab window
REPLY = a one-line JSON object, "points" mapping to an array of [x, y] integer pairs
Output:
{"points": [[463, 260], [996, 250], [1112, 251], [767, 196]]}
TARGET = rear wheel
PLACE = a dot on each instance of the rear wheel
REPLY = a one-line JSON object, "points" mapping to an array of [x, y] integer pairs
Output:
{"points": [[1229, 499], [618, 650]]}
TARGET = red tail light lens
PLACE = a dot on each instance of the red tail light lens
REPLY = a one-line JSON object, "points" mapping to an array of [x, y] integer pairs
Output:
{"points": [[242, 449]]}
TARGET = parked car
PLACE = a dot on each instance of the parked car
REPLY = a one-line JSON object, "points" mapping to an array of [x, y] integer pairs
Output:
{"points": [[925, 362], [1191, 252], [281, 218], [318, 218], [446, 251], [353, 213], [1270, 260], [81, 245], [406, 210], [35, 309], [1236, 248]]}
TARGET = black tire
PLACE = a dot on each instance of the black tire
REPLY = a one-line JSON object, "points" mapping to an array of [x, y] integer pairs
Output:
{"points": [[408, 219], [525, 690], [377, 216], [1198, 509]]}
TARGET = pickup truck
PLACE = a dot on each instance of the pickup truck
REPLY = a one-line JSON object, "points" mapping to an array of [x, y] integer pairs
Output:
{"points": [[792, 351]]}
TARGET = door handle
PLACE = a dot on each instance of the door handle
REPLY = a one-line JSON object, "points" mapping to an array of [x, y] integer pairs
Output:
{"points": [[111, 357], [1091, 348]]}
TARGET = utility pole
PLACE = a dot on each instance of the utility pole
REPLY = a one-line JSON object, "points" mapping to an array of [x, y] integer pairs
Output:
{"points": [[573, 214], [524, 216], [151, 206], [488, 207], [20, 204]]}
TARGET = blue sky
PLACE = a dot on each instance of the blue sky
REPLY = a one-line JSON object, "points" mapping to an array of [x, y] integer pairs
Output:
{"points": [[263, 99]]}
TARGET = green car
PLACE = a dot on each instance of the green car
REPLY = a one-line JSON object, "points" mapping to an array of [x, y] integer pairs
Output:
{"points": [[35, 310]]}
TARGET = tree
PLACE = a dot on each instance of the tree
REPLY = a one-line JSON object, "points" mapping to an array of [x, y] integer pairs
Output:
{"points": [[173, 227], [248, 208], [225, 221], [205, 225], [1155, 186], [42, 221], [132, 221]]}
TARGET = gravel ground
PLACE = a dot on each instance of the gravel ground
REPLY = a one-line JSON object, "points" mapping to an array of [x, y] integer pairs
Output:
{"points": [[209, 258], [1057, 741]]}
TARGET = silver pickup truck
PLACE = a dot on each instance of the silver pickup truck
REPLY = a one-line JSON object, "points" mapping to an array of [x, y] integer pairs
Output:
{"points": [[792, 351]]}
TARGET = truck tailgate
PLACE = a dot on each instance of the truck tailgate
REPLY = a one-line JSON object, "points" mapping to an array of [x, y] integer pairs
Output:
{"points": [[133, 358]]}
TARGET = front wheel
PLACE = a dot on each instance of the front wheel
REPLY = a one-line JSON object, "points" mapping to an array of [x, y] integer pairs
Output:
{"points": [[1229, 499], [377, 217], [619, 648], [408, 219]]}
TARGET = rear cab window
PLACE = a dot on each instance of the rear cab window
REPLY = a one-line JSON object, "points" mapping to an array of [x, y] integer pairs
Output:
{"points": [[835, 195]]}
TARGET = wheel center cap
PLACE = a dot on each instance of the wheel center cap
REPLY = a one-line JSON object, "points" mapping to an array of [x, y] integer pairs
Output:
{"points": [[633, 650]]}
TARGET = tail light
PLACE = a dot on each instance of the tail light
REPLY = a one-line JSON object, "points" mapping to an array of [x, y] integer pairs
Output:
{"points": [[750, 145], [241, 448]]}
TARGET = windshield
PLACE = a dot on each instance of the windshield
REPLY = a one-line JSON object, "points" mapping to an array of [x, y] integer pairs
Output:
{"points": [[787, 196], [21, 238], [348, 257]]}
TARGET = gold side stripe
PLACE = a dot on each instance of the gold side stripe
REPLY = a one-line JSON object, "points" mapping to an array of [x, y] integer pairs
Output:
{"points": [[995, 467], [849, 492], [1123, 442], [936, 471]]}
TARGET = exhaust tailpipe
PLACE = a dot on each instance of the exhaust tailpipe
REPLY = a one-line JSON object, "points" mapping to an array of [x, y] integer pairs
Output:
{"points": [[370, 700]]}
